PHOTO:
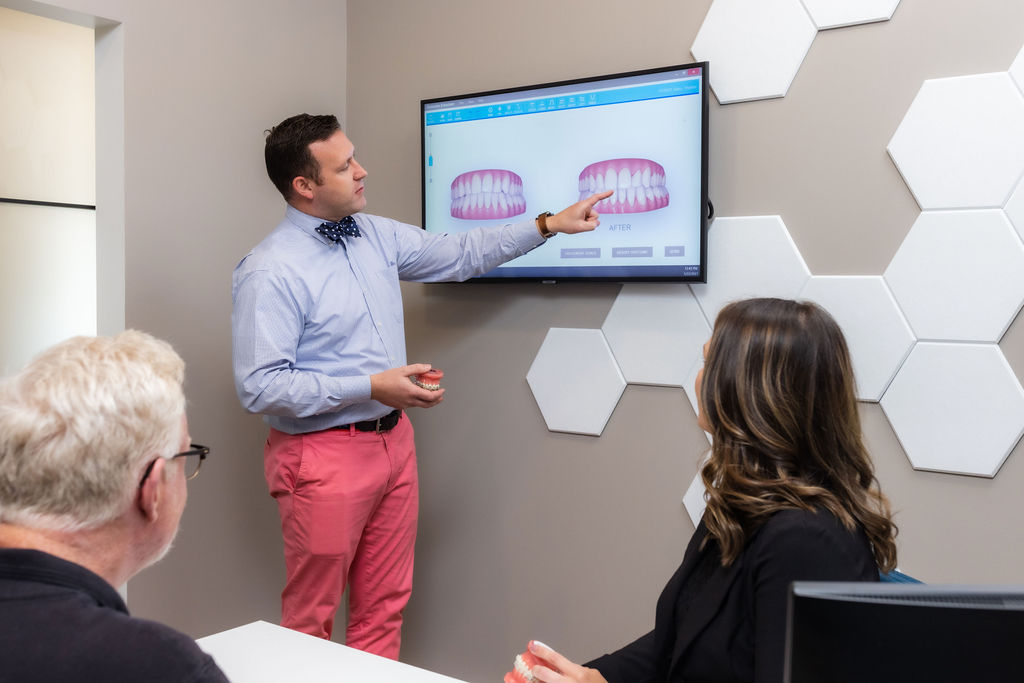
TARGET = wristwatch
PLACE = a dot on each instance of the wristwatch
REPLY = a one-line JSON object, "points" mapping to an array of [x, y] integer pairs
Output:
{"points": [[542, 225]]}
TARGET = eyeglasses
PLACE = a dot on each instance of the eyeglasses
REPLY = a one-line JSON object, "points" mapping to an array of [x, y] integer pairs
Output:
{"points": [[195, 455]]}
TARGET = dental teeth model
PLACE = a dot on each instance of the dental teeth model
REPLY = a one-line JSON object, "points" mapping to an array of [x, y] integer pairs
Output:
{"points": [[431, 379], [520, 672]]}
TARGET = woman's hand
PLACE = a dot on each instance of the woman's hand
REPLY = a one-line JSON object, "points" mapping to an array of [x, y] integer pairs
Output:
{"points": [[564, 671]]}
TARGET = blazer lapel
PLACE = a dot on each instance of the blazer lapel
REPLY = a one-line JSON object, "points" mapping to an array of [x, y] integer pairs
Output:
{"points": [[703, 607]]}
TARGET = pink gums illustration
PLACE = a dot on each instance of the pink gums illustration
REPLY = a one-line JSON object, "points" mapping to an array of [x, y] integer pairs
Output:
{"points": [[488, 193], [639, 185]]}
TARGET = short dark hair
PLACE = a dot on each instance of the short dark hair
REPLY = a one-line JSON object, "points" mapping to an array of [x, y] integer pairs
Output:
{"points": [[287, 151]]}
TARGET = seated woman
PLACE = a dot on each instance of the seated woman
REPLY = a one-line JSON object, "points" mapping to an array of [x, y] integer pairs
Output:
{"points": [[791, 495]]}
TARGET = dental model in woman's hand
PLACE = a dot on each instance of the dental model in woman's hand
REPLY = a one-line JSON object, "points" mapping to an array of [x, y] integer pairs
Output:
{"points": [[522, 669]]}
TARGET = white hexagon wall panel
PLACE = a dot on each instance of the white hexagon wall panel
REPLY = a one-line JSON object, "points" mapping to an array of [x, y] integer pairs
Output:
{"points": [[959, 275], [656, 332], [575, 380], [690, 386], [876, 331], [956, 408], [1015, 209], [755, 48], [693, 499], [1017, 70], [691, 379], [749, 256], [961, 142], [836, 13]]}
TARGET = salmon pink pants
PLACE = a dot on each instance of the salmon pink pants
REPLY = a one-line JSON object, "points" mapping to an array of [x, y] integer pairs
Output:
{"points": [[348, 502]]}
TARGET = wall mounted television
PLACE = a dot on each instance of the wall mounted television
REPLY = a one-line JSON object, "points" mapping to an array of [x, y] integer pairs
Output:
{"points": [[900, 632], [507, 155]]}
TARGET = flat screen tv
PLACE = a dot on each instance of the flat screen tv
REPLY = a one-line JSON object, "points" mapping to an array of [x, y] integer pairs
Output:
{"points": [[899, 632], [507, 155]]}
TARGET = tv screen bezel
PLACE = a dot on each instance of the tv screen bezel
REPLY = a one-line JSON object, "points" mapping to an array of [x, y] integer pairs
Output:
{"points": [[555, 273]]}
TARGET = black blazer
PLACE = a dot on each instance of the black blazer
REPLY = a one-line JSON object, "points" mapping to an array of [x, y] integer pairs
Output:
{"points": [[735, 626]]}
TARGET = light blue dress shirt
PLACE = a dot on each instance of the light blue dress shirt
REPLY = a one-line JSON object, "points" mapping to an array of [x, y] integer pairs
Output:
{"points": [[313, 319]]}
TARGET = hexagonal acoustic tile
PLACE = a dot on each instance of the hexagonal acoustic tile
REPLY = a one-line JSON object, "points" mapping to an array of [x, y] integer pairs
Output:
{"points": [[836, 13], [959, 275], [690, 386], [656, 332], [1017, 70], [755, 48], [961, 142], [749, 256], [956, 408], [693, 499], [689, 383], [876, 332], [1015, 208], [575, 380]]}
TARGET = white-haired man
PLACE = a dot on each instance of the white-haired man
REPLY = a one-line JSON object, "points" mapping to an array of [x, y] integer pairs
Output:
{"points": [[94, 456]]}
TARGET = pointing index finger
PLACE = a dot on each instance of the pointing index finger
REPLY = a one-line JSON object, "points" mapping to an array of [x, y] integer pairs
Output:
{"points": [[598, 196]]}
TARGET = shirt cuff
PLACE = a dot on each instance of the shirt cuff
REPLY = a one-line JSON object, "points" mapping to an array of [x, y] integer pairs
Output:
{"points": [[527, 236], [348, 390]]}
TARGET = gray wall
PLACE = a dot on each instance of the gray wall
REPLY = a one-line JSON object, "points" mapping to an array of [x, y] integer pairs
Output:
{"points": [[569, 539], [524, 533], [200, 82]]}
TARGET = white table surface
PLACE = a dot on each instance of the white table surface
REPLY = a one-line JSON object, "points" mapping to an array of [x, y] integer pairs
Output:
{"points": [[261, 652]]}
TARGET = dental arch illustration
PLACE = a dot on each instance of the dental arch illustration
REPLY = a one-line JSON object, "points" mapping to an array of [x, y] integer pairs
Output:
{"points": [[639, 185], [488, 193]]}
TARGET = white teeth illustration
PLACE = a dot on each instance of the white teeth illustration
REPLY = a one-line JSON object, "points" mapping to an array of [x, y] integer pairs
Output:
{"points": [[487, 194], [611, 179], [639, 185], [625, 179]]}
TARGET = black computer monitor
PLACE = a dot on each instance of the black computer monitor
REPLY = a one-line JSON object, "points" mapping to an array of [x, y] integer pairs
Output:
{"points": [[899, 633]]}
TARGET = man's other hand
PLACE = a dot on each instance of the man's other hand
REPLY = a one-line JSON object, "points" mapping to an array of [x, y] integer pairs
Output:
{"points": [[394, 388]]}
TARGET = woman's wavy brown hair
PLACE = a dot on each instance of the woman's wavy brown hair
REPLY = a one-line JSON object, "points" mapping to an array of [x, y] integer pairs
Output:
{"points": [[778, 395]]}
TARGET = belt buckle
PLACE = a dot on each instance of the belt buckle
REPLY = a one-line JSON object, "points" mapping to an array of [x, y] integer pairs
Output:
{"points": [[377, 426]]}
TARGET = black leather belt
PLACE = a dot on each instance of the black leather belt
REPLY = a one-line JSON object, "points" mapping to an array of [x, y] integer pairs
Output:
{"points": [[381, 424]]}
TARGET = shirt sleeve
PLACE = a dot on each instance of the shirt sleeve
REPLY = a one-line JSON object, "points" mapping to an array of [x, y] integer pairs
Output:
{"points": [[267, 323], [802, 549], [428, 257]]}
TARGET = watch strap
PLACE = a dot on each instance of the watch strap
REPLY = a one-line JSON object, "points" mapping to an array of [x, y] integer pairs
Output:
{"points": [[542, 224]]}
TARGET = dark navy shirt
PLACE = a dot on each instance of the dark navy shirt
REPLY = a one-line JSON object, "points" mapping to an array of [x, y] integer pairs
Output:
{"points": [[61, 622]]}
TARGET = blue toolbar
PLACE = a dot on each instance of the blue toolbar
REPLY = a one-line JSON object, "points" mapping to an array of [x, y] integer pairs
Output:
{"points": [[539, 105]]}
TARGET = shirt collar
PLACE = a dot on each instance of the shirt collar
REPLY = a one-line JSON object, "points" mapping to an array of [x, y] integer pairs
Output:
{"points": [[308, 224]]}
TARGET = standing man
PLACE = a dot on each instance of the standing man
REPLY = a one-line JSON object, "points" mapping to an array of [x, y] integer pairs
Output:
{"points": [[94, 456], [319, 349]]}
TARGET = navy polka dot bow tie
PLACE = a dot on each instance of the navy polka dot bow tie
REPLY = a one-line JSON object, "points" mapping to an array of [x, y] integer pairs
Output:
{"points": [[346, 227]]}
